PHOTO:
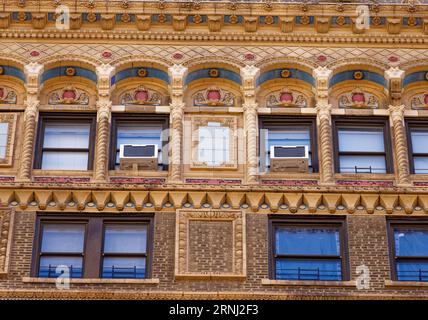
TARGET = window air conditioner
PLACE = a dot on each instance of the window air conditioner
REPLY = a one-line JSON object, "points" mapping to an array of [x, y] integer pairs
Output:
{"points": [[138, 157], [289, 159]]}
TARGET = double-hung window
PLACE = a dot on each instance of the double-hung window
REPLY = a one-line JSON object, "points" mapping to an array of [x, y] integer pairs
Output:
{"points": [[409, 250], [214, 144], [4, 129], [362, 146], [418, 146], [303, 250], [65, 143], [137, 130], [284, 131], [93, 247]]}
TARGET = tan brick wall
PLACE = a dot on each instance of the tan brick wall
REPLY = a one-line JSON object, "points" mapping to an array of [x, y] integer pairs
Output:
{"points": [[367, 242]]}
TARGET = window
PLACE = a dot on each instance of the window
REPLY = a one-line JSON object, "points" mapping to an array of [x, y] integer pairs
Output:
{"points": [[93, 247], [4, 129], [418, 147], [65, 143], [125, 251], [362, 146], [62, 245], [303, 250], [283, 131], [214, 144], [409, 250], [139, 130]]}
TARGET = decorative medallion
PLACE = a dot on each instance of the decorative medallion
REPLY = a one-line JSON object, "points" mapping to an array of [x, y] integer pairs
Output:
{"points": [[305, 20], [197, 18], [393, 59], [214, 96], [411, 21], [34, 53], [1, 71], [92, 17], [7, 96], [214, 73], [233, 19], [419, 101], [69, 95], [141, 96], [285, 73], [162, 18], [106, 54], [269, 20], [286, 98], [125, 18], [70, 71], [125, 4], [358, 99], [358, 75], [249, 56], [426, 76], [142, 73], [340, 21], [376, 21], [177, 56], [22, 16]]}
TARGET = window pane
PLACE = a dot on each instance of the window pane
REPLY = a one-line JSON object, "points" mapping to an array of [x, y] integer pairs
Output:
{"points": [[364, 164], [2, 152], [125, 239], [63, 238], [3, 134], [361, 140], [308, 241], [412, 271], [53, 160], [411, 243], [66, 135], [292, 269], [124, 268], [419, 141], [48, 266], [213, 144], [420, 164], [132, 134]]}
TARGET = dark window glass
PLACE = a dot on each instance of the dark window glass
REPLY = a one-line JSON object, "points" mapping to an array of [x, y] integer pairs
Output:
{"points": [[307, 253], [62, 245], [419, 147]]}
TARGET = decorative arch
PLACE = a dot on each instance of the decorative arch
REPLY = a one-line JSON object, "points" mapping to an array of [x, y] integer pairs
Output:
{"points": [[368, 63], [415, 84], [140, 82], [50, 61], [12, 82]]}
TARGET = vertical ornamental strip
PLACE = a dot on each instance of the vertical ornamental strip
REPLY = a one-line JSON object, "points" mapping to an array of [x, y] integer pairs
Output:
{"points": [[104, 104], [33, 72], [249, 75], [399, 138], [177, 74], [322, 77]]}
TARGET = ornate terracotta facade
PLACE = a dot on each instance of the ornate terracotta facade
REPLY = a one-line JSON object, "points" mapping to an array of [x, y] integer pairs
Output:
{"points": [[195, 64]]}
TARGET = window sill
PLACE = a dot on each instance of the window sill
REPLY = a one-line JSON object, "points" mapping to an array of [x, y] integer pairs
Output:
{"points": [[131, 173], [60, 173], [209, 276], [272, 282], [92, 281], [368, 176], [405, 284]]}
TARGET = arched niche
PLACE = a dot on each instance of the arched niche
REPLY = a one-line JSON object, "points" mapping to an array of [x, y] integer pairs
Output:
{"points": [[12, 84], [285, 85], [140, 83], [68, 85], [358, 87], [213, 85], [415, 85]]}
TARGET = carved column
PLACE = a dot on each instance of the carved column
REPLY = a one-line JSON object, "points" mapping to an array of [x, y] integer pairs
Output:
{"points": [[177, 74], [399, 137], [322, 76], [33, 71], [249, 75], [104, 104]]}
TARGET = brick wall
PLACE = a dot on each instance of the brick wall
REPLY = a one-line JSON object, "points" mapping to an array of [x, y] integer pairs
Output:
{"points": [[367, 243]]}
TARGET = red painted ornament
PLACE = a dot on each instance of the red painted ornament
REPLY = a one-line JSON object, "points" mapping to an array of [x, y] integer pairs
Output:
{"points": [[286, 97], [393, 59], [358, 97], [141, 95], [249, 56], [426, 99], [69, 95], [1, 93], [177, 55], [213, 95], [321, 58], [106, 54], [34, 53]]}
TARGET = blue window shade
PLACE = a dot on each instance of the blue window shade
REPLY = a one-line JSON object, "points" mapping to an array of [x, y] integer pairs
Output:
{"points": [[60, 72], [294, 74], [293, 269], [349, 75], [204, 73], [410, 243], [13, 72], [133, 72], [307, 241], [412, 271]]}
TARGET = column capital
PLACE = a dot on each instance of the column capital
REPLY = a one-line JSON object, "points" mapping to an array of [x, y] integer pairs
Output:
{"points": [[33, 72], [104, 73], [394, 73], [177, 72], [249, 76], [323, 108], [395, 76]]}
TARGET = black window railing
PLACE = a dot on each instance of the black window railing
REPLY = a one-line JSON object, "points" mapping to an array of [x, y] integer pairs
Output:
{"points": [[124, 272], [51, 271], [416, 275], [308, 274]]}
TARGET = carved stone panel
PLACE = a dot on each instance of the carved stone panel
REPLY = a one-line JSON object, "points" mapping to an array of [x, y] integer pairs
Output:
{"points": [[210, 244], [6, 232]]}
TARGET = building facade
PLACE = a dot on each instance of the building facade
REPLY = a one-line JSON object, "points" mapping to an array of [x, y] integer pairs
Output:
{"points": [[215, 86]]}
